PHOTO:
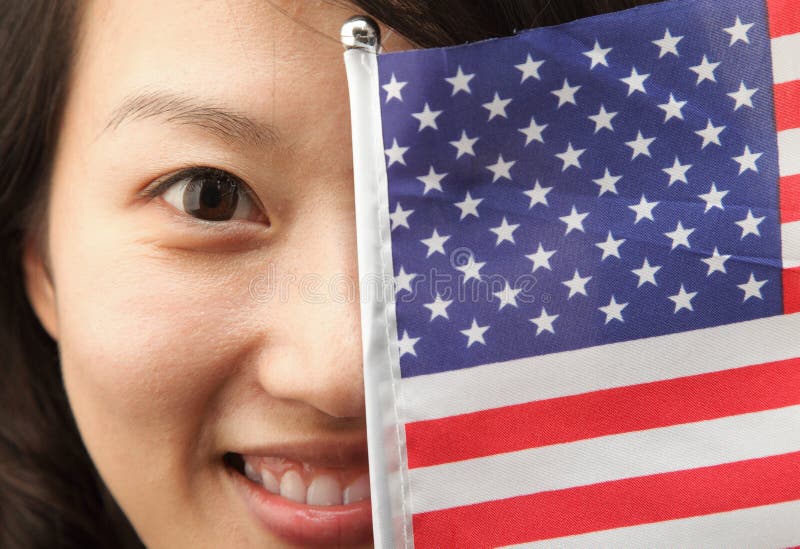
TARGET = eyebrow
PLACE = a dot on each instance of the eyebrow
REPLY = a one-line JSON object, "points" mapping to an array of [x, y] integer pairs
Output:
{"points": [[190, 110]]}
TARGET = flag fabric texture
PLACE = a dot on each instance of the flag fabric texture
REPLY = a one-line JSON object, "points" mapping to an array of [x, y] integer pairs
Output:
{"points": [[595, 243]]}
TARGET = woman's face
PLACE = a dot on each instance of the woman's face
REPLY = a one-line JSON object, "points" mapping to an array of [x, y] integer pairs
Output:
{"points": [[183, 341]]}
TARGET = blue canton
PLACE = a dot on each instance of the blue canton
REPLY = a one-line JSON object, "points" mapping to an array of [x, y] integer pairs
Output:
{"points": [[582, 184]]}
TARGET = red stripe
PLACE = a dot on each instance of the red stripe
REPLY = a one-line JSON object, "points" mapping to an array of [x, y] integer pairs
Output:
{"points": [[614, 504], [790, 197], [606, 412], [784, 17], [791, 290], [787, 103]]}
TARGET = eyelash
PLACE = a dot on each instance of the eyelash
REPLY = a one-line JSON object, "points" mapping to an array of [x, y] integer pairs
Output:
{"points": [[194, 173]]}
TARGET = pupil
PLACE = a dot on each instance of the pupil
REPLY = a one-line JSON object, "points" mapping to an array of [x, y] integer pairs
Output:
{"points": [[211, 198]]}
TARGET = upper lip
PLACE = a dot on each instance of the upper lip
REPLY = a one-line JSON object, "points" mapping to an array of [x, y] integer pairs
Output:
{"points": [[333, 453]]}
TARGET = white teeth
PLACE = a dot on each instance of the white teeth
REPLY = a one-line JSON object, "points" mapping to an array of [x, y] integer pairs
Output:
{"points": [[293, 487], [270, 481], [357, 490], [251, 473], [324, 490], [302, 485]]}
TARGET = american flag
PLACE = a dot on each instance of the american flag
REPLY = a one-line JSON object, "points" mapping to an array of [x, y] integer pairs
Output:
{"points": [[595, 240]]}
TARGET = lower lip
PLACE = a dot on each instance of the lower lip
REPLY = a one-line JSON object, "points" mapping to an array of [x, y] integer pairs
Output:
{"points": [[326, 525]]}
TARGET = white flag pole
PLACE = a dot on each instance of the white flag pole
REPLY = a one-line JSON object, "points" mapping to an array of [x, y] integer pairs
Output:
{"points": [[385, 434]]}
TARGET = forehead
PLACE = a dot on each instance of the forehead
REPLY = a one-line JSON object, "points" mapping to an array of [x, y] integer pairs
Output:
{"points": [[262, 56]]}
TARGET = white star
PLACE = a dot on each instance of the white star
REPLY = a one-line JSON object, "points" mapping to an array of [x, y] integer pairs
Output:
{"points": [[710, 134], [635, 81], [399, 218], [533, 132], [672, 109], [677, 172], [644, 210], [395, 153], [574, 221], [438, 307], [566, 94], [406, 344], [640, 145], [472, 269], [541, 259], [570, 157], [460, 82], [750, 224], [468, 206], [504, 232], [602, 119], [680, 236], [668, 44], [530, 69], [544, 322], [501, 168], [507, 296], [738, 32], [538, 194], [464, 144], [743, 96], [475, 333], [713, 198], [427, 118], [613, 310], [435, 243], [432, 181], [647, 273], [607, 183], [393, 89], [497, 106], [577, 284], [610, 247], [752, 288], [597, 55], [403, 280], [716, 263], [704, 71], [747, 161], [683, 300]]}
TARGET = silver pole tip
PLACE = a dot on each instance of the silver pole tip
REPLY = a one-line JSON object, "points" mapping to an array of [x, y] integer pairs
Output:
{"points": [[361, 32]]}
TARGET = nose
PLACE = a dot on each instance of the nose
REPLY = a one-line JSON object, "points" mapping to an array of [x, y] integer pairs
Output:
{"points": [[312, 349]]}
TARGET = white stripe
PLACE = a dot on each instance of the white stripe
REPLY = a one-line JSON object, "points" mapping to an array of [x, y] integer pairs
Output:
{"points": [[790, 244], [602, 367], [785, 61], [773, 525], [789, 150], [608, 458]]}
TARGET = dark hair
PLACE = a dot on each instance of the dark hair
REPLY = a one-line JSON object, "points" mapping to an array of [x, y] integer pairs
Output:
{"points": [[50, 493], [450, 22]]}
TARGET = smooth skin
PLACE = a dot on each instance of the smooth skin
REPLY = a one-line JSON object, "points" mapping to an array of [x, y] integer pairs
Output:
{"points": [[171, 356]]}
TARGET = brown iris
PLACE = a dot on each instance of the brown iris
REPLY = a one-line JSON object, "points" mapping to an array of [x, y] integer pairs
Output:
{"points": [[212, 197]]}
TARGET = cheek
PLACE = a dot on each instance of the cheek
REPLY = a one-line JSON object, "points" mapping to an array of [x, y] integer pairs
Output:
{"points": [[147, 342], [147, 347]]}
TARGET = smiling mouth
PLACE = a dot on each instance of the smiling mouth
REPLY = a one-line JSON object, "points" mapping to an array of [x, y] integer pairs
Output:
{"points": [[301, 482]]}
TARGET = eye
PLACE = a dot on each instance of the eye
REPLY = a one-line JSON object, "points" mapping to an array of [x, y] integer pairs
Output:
{"points": [[210, 194]]}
